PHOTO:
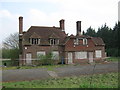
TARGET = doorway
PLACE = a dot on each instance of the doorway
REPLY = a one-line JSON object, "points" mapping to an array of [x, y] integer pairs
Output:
{"points": [[90, 56], [70, 58], [28, 58]]}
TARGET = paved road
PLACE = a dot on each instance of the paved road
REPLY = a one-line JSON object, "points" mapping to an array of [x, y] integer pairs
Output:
{"points": [[70, 70], [87, 69]]}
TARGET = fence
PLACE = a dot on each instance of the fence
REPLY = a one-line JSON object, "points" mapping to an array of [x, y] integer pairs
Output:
{"points": [[9, 62], [37, 62]]}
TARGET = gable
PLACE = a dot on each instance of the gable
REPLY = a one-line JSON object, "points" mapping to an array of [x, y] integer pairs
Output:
{"points": [[98, 41], [45, 33], [34, 35]]}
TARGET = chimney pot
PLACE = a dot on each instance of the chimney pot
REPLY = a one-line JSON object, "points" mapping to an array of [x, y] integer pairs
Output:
{"points": [[62, 24]]}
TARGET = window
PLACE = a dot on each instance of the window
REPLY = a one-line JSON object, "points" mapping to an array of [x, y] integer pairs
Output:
{"points": [[34, 41], [55, 55], [76, 41], [54, 41], [98, 53], [81, 55], [40, 54], [80, 41], [84, 41]]}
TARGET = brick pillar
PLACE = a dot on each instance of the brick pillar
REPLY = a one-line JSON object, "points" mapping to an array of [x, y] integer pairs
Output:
{"points": [[62, 25], [78, 26], [20, 40], [20, 25]]}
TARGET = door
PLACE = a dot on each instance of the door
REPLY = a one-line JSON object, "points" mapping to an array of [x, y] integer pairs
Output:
{"points": [[70, 57], [90, 57], [28, 58]]}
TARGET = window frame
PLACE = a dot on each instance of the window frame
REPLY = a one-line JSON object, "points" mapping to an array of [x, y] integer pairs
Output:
{"points": [[79, 56], [97, 53], [34, 41], [55, 56], [54, 41]]}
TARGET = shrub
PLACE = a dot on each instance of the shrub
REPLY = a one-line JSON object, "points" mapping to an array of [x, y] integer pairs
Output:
{"points": [[46, 59]]}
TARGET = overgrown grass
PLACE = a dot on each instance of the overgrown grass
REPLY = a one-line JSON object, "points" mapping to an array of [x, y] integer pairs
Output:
{"points": [[48, 67], [109, 80], [113, 59]]}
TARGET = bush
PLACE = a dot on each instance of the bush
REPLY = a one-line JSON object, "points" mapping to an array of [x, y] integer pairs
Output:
{"points": [[10, 62], [113, 52], [46, 59], [10, 53]]}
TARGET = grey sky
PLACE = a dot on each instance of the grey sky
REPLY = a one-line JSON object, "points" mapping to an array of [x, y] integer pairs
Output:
{"points": [[48, 13]]}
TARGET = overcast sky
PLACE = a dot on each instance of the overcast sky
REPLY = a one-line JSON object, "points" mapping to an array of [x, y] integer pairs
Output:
{"points": [[48, 13]]}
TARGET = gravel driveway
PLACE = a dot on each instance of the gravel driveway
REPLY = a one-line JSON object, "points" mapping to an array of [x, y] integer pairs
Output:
{"points": [[70, 70]]}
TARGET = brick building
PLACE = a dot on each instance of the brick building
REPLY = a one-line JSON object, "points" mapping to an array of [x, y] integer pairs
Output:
{"points": [[39, 40]]}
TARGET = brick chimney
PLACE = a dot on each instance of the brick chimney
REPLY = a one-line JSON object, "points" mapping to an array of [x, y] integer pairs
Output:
{"points": [[78, 25], [62, 27], [20, 25]]}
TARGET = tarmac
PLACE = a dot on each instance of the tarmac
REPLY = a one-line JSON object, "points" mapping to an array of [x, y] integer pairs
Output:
{"points": [[65, 71]]}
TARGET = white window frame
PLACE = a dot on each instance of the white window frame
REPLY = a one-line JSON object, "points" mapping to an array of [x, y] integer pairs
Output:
{"points": [[81, 55], [52, 41], [98, 53], [84, 41], [34, 41]]}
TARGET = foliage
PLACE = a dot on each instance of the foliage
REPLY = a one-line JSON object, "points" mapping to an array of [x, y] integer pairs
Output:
{"points": [[90, 31], [109, 36], [10, 49], [46, 59], [10, 53], [113, 59], [48, 67], [109, 80], [10, 63], [12, 41]]}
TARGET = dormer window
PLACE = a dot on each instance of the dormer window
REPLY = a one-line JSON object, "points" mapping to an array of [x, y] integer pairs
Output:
{"points": [[76, 41], [34, 41], [54, 41], [80, 41], [84, 41]]}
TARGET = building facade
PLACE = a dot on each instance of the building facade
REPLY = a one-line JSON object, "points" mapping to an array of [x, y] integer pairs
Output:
{"points": [[39, 40]]}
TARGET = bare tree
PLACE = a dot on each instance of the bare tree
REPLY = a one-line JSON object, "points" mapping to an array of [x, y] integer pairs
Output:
{"points": [[12, 41]]}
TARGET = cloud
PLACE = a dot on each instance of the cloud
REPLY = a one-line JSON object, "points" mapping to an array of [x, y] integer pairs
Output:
{"points": [[8, 23], [91, 12], [5, 13]]}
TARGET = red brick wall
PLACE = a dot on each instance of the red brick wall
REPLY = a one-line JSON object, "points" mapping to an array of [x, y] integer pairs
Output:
{"points": [[69, 47], [33, 49]]}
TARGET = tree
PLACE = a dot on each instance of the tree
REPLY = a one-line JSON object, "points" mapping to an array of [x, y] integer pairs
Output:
{"points": [[90, 32], [10, 47], [12, 41], [111, 38]]}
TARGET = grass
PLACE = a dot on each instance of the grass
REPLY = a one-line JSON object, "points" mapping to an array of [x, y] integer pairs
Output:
{"points": [[113, 59], [48, 67], [109, 80]]}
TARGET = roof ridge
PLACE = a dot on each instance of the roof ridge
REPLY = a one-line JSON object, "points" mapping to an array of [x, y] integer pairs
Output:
{"points": [[46, 26]]}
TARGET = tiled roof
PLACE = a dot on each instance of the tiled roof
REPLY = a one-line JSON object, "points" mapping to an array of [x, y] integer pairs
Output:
{"points": [[98, 41], [44, 33]]}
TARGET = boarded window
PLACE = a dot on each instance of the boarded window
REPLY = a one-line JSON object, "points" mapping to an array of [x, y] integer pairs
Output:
{"points": [[55, 55], [98, 53], [40, 54], [81, 55]]}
